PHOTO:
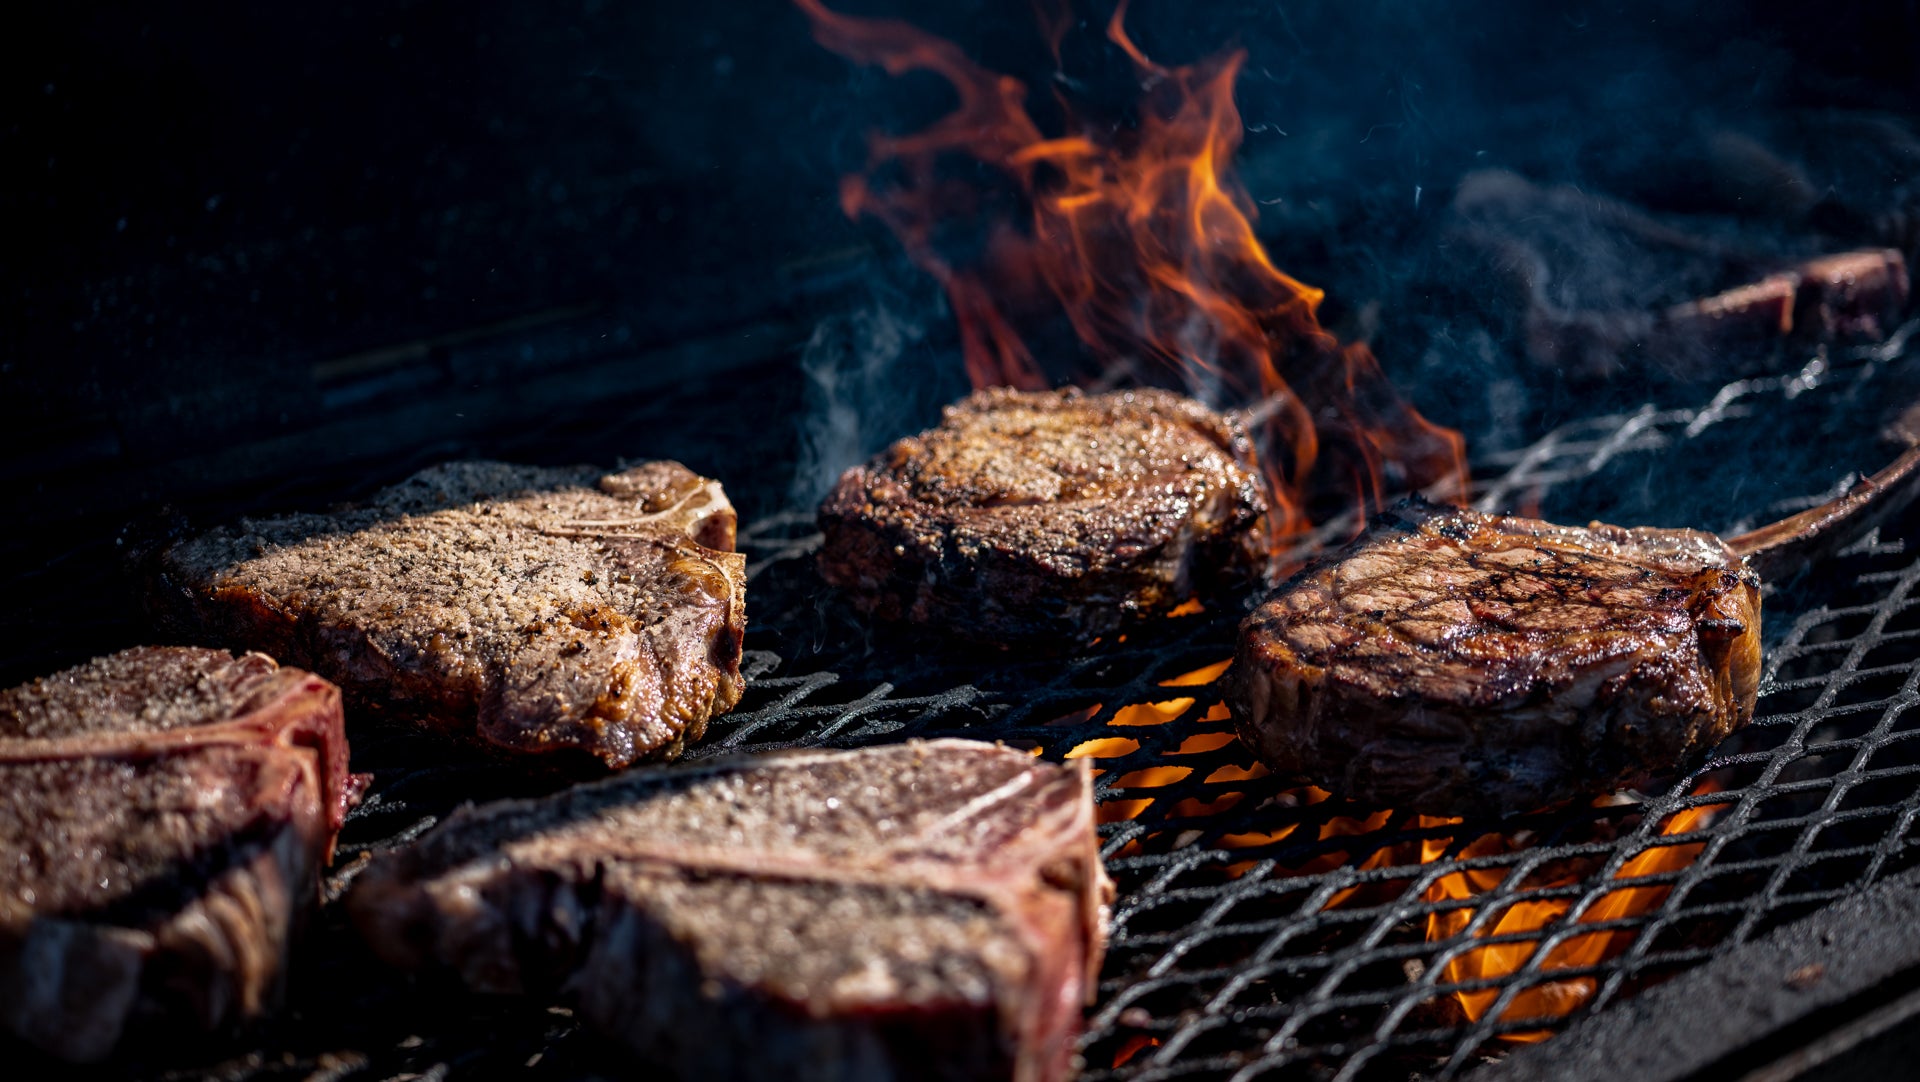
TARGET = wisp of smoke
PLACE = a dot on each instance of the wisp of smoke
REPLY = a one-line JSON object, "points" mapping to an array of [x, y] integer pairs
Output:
{"points": [[852, 408]]}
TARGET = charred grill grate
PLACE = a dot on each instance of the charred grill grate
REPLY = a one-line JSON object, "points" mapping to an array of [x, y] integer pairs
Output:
{"points": [[1250, 937], [1262, 929]]}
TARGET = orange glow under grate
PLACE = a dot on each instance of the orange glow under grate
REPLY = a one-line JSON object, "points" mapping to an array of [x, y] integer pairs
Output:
{"points": [[1527, 918], [1518, 927]]}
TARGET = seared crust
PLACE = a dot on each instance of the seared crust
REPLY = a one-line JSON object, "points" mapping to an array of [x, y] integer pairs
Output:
{"points": [[1048, 517], [164, 813], [818, 915], [1456, 663], [532, 610]]}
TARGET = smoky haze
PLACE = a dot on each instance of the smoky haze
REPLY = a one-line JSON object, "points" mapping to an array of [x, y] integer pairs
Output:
{"points": [[871, 376], [1508, 201], [208, 204]]}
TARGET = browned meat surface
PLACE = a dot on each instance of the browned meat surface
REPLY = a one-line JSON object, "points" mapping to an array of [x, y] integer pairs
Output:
{"points": [[1853, 296], [924, 910], [1048, 517], [534, 610], [164, 813], [1594, 288], [1456, 663]]}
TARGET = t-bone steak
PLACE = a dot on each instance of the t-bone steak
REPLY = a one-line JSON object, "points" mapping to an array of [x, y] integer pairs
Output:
{"points": [[1455, 663], [1049, 517], [164, 812], [533, 610], [923, 910]]}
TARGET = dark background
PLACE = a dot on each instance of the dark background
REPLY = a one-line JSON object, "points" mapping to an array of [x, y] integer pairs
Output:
{"points": [[260, 254], [271, 256]]}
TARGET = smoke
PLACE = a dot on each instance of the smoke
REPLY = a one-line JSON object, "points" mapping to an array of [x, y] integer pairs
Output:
{"points": [[855, 364], [1542, 214], [1540, 202]]}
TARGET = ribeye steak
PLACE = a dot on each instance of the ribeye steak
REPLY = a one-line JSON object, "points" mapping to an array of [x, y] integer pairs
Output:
{"points": [[924, 910], [164, 812], [1454, 663], [535, 610], [1049, 517]]}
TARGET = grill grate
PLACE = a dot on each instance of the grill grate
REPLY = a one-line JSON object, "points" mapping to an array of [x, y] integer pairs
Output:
{"points": [[1250, 936], [1262, 929]]}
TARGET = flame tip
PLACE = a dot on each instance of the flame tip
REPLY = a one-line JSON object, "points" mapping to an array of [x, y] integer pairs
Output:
{"points": [[1145, 241]]}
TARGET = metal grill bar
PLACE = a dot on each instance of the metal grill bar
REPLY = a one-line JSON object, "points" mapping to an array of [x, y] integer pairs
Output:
{"points": [[1176, 853], [1262, 929]]}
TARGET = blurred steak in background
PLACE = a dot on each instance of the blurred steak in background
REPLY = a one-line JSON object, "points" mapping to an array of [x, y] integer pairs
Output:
{"points": [[166, 813]]}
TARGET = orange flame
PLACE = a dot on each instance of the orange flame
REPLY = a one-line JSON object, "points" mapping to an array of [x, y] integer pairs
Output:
{"points": [[1549, 999], [1133, 1046], [1155, 777], [1142, 240], [1518, 926]]}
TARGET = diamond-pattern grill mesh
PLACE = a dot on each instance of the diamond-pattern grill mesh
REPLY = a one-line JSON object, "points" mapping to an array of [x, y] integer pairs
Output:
{"points": [[1253, 933], [1263, 929], [1267, 929]]}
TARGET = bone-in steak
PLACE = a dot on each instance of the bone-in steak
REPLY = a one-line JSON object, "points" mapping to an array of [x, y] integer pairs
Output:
{"points": [[164, 812], [926, 910], [1048, 517], [535, 610], [1455, 663]]}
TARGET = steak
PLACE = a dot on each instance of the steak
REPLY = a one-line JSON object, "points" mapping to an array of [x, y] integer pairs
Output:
{"points": [[165, 812], [1049, 517], [924, 910], [531, 610], [1457, 663]]}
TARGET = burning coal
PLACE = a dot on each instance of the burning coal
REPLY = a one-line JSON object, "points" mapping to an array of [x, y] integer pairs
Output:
{"points": [[1138, 238], [1514, 931], [1499, 945], [1142, 241]]}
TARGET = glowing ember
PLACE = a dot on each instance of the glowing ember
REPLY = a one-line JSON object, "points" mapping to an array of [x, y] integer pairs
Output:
{"points": [[1206, 674], [1154, 777], [1106, 747], [1140, 238], [1516, 929], [1134, 1045], [1518, 926], [1339, 826], [1550, 999]]}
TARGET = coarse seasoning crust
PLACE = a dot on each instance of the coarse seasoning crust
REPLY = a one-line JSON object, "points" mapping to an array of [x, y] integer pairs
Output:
{"points": [[535, 610], [826, 915], [134, 691], [164, 813], [1453, 663], [1049, 517]]}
